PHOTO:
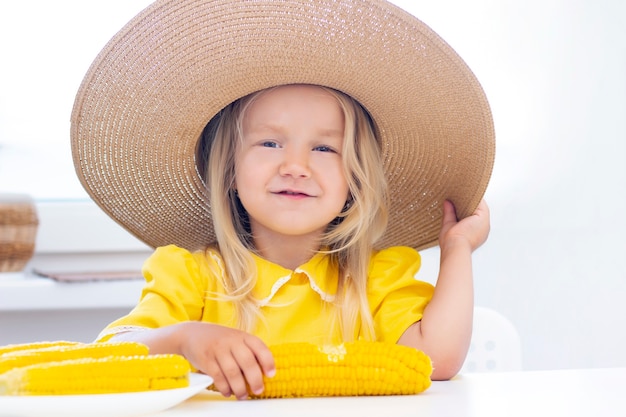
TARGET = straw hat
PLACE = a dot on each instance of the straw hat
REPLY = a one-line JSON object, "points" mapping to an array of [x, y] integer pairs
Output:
{"points": [[148, 95]]}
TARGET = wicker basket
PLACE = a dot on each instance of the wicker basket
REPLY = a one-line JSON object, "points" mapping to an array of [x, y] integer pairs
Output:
{"points": [[18, 229]]}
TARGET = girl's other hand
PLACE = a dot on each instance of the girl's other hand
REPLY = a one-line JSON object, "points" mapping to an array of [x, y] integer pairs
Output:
{"points": [[472, 230], [234, 359]]}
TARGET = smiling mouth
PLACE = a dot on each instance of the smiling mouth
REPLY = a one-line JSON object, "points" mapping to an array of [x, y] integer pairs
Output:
{"points": [[292, 193]]}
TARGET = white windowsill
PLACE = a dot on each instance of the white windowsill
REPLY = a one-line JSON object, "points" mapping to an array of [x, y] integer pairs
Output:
{"points": [[24, 292]]}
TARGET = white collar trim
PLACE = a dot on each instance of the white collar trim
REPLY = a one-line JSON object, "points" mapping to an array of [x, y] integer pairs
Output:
{"points": [[280, 282]]}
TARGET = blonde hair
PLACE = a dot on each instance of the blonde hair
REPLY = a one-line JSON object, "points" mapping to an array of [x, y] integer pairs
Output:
{"points": [[348, 240]]}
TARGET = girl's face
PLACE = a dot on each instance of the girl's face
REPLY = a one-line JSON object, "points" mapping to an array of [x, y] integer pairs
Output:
{"points": [[288, 168]]}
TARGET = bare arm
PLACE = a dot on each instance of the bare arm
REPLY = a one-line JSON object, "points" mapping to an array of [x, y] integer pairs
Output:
{"points": [[233, 358], [445, 330]]}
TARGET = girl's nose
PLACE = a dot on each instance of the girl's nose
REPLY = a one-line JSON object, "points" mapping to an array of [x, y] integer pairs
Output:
{"points": [[295, 164]]}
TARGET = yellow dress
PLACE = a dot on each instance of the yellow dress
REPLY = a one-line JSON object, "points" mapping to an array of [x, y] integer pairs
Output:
{"points": [[296, 305]]}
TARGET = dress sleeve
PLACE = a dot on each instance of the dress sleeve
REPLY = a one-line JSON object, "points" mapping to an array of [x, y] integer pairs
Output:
{"points": [[174, 292], [397, 299]]}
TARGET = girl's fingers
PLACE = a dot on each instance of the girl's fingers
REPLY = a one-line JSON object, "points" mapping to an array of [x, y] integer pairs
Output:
{"points": [[250, 368], [449, 216], [449, 212], [220, 382], [264, 357], [232, 372]]}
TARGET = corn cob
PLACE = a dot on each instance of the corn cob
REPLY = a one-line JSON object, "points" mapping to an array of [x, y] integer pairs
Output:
{"points": [[53, 353], [354, 368], [97, 375], [34, 345]]}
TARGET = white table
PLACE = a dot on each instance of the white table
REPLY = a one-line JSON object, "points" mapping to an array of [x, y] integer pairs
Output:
{"points": [[588, 393]]}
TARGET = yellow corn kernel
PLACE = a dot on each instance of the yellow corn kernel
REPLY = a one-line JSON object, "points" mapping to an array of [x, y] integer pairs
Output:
{"points": [[35, 345], [111, 374], [349, 369], [53, 353]]}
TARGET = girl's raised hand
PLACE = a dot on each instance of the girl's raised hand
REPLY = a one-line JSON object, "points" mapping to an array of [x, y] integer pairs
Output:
{"points": [[234, 359], [472, 230]]}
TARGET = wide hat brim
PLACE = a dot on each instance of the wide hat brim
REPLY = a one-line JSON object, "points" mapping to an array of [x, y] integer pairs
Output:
{"points": [[148, 95]]}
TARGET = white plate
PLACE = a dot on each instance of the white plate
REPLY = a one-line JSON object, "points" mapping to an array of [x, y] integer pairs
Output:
{"points": [[106, 405]]}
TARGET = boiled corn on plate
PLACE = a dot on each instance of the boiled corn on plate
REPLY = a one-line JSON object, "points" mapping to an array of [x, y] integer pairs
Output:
{"points": [[35, 345], [88, 368], [59, 352]]}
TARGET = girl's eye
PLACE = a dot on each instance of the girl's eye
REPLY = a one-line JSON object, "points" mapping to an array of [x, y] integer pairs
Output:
{"points": [[269, 144], [323, 148]]}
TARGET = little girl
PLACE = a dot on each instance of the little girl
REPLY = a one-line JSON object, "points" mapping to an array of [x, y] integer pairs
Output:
{"points": [[299, 203]]}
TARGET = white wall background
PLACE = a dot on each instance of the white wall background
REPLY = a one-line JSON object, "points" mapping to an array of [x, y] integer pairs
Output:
{"points": [[555, 74]]}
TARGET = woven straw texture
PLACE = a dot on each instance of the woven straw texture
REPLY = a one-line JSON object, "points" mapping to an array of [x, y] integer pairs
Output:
{"points": [[18, 230], [146, 98]]}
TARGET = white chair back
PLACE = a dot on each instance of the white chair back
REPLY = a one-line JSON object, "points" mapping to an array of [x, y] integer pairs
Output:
{"points": [[495, 345]]}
